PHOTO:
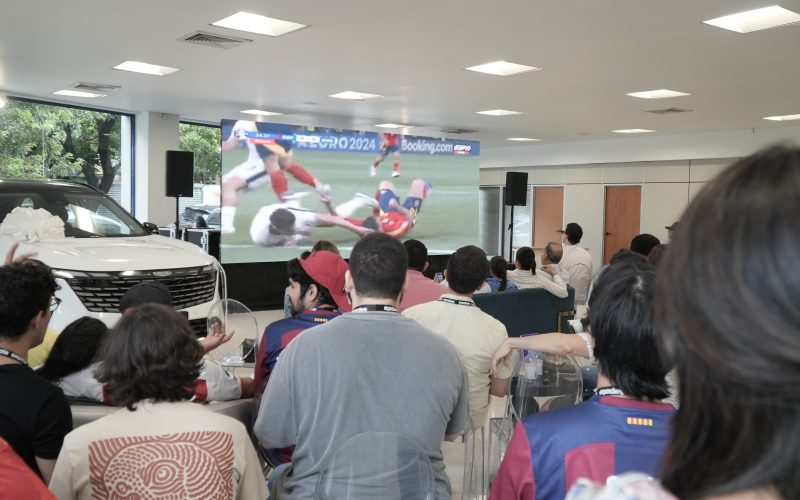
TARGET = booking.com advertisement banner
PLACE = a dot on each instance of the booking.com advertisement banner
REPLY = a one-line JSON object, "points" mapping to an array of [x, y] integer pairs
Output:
{"points": [[284, 187]]}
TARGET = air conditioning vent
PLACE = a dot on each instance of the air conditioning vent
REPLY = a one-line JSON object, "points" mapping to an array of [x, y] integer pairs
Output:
{"points": [[97, 88], [212, 40], [667, 111], [458, 131]]}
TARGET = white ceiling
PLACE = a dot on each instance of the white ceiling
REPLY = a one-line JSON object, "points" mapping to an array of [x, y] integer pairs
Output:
{"points": [[593, 52]]}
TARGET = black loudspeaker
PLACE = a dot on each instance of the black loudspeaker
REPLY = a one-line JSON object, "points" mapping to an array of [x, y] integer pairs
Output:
{"points": [[516, 188], [180, 173]]}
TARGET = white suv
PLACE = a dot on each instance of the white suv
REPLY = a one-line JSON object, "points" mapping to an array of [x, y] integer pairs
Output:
{"points": [[106, 251]]}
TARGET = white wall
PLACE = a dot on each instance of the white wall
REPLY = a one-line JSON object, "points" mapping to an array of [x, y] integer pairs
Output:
{"points": [[156, 133]]}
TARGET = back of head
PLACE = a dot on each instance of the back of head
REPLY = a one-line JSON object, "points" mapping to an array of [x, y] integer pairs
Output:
{"points": [[75, 348], [644, 243], [625, 255], [621, 319], [152, 353], [466, 269], [326, 245], [498, 266], [325, 270], [378, 266], [727, 294], [554, 252], [417, 254], [282, 219], [574, 233], [526, 259], [656, 254], [25, 291], [145, 292]]}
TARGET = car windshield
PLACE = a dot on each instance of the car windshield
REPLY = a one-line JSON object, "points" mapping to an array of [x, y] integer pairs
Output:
{"points": [[85, 214]]}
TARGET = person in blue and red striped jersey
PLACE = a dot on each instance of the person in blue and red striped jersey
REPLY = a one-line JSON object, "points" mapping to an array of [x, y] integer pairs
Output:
{"points": [[623, 427], [389, 146]]}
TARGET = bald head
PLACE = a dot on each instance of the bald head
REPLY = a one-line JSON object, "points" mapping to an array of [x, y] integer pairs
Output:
{"points": [[552, 253]]}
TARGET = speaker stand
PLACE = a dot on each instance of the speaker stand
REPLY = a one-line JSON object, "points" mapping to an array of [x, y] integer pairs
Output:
{"points": [[177, 218], [511, 236]]}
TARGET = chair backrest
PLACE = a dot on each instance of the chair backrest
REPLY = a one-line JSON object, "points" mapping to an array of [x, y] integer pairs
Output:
{"points": [[555, 381], [532, 310], [377, 464], [580, 278]]}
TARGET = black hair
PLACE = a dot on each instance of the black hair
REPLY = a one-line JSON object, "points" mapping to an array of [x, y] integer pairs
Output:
{"points": [[371, 223], [152, 353], [326, 245], [526, 259], [417, 254], [378, 266], [499, 269], [644, 243], [625, 255], [730, 323], [622, 326], [574, 233], [466, 269], [657, 254], [25, 291], [554, 252], [282, 219], [75, 348], [299, 275]]}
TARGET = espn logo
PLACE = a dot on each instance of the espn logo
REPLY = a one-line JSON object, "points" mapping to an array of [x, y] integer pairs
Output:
{"points": [[462, 149]]}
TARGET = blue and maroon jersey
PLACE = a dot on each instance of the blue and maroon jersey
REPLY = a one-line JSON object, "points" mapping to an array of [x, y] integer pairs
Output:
{"points": [[277, 336], [602, 437]]}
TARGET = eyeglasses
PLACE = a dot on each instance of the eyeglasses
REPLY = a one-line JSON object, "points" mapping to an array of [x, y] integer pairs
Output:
{"points": [[54, 304]]}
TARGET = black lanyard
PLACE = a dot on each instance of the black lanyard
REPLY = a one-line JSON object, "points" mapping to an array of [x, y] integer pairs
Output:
{"points": [[609, 391], [16, 357], [457, 302], [376, 307]]}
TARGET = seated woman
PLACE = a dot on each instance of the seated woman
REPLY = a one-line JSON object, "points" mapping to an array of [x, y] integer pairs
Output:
{"points": [[498, 281], [73, 361], [525, 276], [159, 445]]}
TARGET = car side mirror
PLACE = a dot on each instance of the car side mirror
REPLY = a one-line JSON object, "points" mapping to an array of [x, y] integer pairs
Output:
{"points": [[150, 227]]}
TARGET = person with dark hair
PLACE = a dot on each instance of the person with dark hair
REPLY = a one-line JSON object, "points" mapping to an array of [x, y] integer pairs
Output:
{"points": [[419, 288], [575, 261], [75, 349], [159, 443], [475, 334], [736, 348], [656, 255], [498, 279], [376, 369], [644, 243], [34, 414], [623, 427], [525, 275]]}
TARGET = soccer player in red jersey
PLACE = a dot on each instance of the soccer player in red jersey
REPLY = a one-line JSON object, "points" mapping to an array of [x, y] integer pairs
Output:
{"points": [[389, 145]]}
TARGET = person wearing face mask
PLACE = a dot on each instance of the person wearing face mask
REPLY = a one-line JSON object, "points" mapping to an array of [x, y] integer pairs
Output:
{"points": [[316, 292]]}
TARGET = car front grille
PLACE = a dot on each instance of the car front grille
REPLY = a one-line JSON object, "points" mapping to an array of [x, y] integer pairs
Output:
{"points": [[101, 291]]}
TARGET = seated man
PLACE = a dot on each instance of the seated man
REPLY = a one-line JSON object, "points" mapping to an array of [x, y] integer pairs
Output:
{"points": [[525, 275], [419, 288], [473, 333], [553, 252], [369, 370], [623, 427]]}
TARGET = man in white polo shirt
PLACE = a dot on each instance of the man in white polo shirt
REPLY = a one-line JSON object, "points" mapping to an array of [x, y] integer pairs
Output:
{"points": [[473, 333]]}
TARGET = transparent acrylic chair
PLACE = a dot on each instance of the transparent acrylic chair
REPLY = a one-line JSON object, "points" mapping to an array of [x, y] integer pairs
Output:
{"points": [[559, 384], [377, 464]]}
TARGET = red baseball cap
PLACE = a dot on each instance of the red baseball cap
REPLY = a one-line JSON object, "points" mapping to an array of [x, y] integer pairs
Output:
{"points": [[327, 269]]}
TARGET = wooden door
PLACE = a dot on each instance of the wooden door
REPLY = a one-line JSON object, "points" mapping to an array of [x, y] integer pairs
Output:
{"points": [[622, 217], [548, 215]]}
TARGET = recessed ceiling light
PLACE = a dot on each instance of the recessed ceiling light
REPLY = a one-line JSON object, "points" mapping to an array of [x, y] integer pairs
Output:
{"points": [[523, 139], [657, 94], [632, 131], [784, 118], [355, 96], [260, 112], [499, 112], [755, 20], [149, 69], [502, 68], [393, 125], [79, 93], [256, 23]]}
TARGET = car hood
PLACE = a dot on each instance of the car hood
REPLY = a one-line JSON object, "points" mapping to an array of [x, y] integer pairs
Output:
{"points": [[137, 253]]}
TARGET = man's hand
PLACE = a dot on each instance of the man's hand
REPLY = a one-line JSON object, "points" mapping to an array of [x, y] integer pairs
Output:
{"points": [[503, 354], [10, 259], [550, 269], [215, 337]]}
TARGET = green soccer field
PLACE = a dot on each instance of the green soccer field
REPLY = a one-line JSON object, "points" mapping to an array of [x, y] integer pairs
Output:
{"points": [[448, 219]]}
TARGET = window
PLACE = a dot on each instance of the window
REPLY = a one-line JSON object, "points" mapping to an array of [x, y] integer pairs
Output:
{"points": [[204, 141], [40, 140]]}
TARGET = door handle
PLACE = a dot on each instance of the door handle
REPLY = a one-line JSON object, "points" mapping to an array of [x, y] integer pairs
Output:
{"points": [[608, 234]]}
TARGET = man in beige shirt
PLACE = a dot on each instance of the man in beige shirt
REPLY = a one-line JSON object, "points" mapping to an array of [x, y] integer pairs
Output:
{"points": [[473, 333]]}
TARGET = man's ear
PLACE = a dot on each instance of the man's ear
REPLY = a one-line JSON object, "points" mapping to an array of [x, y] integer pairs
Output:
{"points": [[348, 282], [426, 266], [312, 292], [445, 275]]}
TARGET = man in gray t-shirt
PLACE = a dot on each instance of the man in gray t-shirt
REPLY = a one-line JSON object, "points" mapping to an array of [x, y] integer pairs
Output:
{"points": [[369, 370]]}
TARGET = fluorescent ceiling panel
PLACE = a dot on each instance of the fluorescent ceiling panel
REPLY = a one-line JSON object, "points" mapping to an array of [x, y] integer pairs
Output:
{"points": [[259, 112], [756, 20], [523, 139], [355, 96], [78, 93], [502, 68], [393, 125], [784, 118], [633, 131], [499, 112], [256, 23], [657, 94], [146, 68]]}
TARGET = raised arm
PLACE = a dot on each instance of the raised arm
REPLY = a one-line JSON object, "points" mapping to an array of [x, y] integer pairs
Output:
{"points": [[551, 343]]}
